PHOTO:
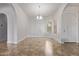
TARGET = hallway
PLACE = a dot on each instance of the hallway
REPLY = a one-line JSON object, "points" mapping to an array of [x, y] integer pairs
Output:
{"points": [[39, 29]]}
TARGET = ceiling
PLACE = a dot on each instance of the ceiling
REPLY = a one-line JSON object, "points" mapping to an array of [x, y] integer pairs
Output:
{"points": [[43, 9]]}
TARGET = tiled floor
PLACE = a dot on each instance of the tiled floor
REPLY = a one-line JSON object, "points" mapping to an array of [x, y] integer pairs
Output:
{"points": [[39, 47]]}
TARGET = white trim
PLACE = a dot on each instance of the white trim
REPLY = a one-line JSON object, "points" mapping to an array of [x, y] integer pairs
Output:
{"points": [[10, 42], [40, 36], [21, 39], [34, 36]]}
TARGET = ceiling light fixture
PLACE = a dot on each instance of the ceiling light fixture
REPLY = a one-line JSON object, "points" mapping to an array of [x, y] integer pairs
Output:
{"points": [[39, 17]]}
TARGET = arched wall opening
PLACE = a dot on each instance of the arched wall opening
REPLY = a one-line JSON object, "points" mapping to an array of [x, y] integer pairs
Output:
{"points": [[69, 25], [9, 11]]}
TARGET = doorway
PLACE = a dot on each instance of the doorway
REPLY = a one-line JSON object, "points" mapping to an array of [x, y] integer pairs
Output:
{"points": [[69, 25], [3, 28]]}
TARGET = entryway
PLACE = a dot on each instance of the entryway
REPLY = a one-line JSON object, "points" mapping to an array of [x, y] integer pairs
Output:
{"points": [[3, 31]]}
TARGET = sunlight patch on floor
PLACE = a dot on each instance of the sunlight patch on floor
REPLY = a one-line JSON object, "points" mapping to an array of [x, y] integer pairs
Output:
{"points": [[48, 48]]}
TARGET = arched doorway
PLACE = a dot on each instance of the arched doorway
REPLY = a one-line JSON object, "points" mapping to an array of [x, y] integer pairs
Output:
{"points": [[69, 24], [3, 28]]}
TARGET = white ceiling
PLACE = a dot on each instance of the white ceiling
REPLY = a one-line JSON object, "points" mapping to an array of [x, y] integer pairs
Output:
{"points": [[46, 9]]}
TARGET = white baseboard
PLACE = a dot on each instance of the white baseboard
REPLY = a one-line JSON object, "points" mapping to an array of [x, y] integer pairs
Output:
{"points": [[33, 36], [10, 42], [40, 36], [21, 39]]}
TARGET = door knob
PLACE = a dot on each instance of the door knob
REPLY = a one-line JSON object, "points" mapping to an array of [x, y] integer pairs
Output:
{"points": [[1, 25]]}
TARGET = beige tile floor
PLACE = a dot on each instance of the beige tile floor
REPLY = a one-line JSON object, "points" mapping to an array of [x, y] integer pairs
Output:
{"points": [[39, 47]]}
